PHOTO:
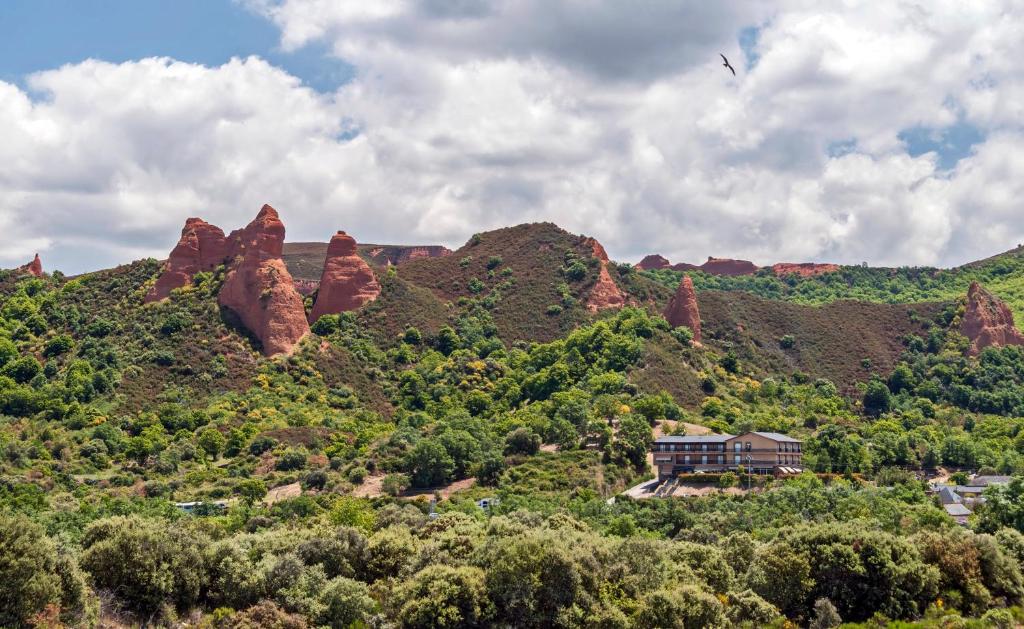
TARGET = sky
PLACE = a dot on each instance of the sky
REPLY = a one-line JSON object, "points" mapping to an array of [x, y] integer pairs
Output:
{"points": [[852, 132]]}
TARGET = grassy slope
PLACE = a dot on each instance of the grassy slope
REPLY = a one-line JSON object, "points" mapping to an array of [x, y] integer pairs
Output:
{"points": [[831, 341], [535, 253]]}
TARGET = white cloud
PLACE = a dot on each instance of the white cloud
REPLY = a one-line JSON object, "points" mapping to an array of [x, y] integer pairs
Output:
{"points": [[609, 119]]}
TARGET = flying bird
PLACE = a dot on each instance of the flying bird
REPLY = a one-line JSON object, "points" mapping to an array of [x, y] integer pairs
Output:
{"points": [[726, 64]]}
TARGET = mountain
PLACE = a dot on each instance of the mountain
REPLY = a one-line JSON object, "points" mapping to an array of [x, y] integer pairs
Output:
{"points": [[322, 434]]}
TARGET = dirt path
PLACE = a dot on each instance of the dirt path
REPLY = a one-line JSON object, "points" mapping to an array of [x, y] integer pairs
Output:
{"points": [[373, 487], [283, 492]]}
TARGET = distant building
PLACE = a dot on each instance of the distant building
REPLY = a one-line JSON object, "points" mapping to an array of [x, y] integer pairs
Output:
{"points": [[985, 481], [959, 500], [958, 512], [202, 508], [761, 452]]}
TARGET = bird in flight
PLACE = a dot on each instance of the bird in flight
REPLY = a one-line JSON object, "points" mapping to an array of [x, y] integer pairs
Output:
{"points": [[726, 64]]}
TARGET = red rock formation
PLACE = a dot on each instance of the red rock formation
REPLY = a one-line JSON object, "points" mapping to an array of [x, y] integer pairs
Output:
{"points": [[386, 255], [201, 248], [726, 266], [414, 253], [258, 287], [803, 269], [347, 282], [987, 321], [653, 261], [605, 293], [35, 267], [684, 266], [682, 308]]}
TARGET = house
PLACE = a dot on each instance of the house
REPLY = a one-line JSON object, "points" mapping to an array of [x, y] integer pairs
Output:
{"points": [[958, 512], [985, 481], [760, 452], [947, 496]]}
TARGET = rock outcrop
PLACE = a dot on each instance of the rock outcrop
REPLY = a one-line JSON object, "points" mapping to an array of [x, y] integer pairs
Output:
{"points": [[713, 266], [388, 255], [987, 321], [685, 266], [652, 262], [803, 269], [202, 247], [258, 287], [682, 308], [347, 282], [35, 267], [605, 293], [726, 266]]}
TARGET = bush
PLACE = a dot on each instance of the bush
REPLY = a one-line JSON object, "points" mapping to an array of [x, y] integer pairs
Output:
{"points": [[58, 345], [395, 484], [28, 574], [357, 475], [522, 441], [683, 334], [345, 602], [291, 459], [147, 563], [444, 596]]}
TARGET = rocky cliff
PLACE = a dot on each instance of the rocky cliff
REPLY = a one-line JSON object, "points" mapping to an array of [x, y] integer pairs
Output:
{"points": [[605, 293], [347, 282], [727, 266], [258, 287], [652, 262], [202, 247], [35, 267], [987, 321], [682, 308]]}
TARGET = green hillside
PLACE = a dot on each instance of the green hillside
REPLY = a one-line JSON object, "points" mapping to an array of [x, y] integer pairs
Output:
{"points": [[482, 375], [1002, 274]]}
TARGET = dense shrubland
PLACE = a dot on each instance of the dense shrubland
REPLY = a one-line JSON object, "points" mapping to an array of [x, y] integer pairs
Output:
{"points": [[327, 461]]}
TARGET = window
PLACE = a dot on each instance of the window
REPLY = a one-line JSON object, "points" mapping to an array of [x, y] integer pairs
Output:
{"points": [[703, 459], [721, 459], [736, 459], [686, 459], [737, 446], [748, 446], [704, 447]]}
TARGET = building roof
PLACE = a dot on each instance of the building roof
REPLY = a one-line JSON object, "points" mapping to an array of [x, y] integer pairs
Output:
{"points": [[775, 436], [969, 489], [985, 481], [693, 439], [957, 510], [947, 496]]}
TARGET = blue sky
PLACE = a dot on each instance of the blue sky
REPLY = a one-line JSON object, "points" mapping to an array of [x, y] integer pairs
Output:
{"points": [[889, 133], [45, 34]]}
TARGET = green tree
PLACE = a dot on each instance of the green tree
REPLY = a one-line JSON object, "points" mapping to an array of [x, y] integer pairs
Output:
{"points": [[681, 607], [429, 464], [522, 441], [147, 563], [346, 602], [251, 490], [444, 597], [212, 442], [877, 399], [28, 571], [1004, 507]]}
